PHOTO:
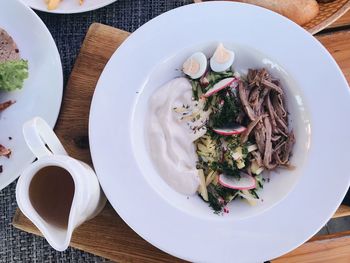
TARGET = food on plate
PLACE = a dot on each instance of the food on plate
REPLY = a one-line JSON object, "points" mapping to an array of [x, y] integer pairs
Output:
{"points": [[13, 69], [4, 151], [222, 59], [5, 105], [13, 72], [171, 145], [300, 11], [195, 65], [8, 47], [53, 4], [216, 131]]}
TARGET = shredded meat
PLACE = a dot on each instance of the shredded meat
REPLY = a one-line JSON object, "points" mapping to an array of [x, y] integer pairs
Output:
{"points": [[240, 117], [4, 151], [249, 129], [259, 109], [257, 156], [260, 138], [244, 100], [266, 117], [268, 145], [268, 84], [5, 105], [271, 113], [254, 96], [278, 105]]}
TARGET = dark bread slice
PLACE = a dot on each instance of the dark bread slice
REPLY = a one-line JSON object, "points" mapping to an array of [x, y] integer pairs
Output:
{"points": [[8, 47]]}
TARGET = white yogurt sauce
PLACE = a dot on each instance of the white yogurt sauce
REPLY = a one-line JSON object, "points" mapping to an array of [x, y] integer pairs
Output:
{"points": [[170, 140]]}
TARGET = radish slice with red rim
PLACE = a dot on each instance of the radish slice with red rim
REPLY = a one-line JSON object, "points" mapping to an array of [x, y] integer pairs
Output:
{"points": [[245, 182], [230, 130], [222, 84]]}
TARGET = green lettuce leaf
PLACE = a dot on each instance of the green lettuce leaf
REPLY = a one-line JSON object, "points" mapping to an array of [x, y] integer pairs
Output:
{"points": [[12, 74]]}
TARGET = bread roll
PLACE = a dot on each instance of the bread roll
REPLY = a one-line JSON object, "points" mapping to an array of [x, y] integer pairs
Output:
{"points": [[300, 11]]}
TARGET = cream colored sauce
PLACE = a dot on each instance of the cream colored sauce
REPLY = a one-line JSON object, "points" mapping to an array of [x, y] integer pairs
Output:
{"points": [[170, 139]]}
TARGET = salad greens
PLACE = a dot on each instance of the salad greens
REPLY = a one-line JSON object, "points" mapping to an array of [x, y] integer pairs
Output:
{"points": [[241, 127], [12, 74], [221, 154]]}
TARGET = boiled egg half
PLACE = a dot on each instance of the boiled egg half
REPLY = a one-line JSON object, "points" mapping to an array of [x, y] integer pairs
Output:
{"points": [[222, 59], [195, 66]]}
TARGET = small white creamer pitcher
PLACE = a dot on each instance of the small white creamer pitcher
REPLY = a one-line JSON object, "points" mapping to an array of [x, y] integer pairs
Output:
{"points": [[56, 192]]}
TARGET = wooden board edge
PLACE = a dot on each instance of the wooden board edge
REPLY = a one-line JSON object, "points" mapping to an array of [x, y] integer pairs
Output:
{"points": [[16, 219], [326, 35], [342, 211], [18, 222], [342, 22], [329, 236]]}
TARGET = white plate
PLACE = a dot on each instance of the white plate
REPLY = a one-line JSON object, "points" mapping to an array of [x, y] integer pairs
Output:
{"points": [[187, 228], [42, 91], [69, 6]]}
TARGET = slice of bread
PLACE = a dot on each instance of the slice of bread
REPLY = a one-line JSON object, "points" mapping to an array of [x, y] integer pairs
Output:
{"points": [[300, 11], [8, 47]]}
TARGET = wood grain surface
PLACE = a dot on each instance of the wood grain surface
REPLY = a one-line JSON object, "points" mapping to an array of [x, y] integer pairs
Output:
{"points": [[338, 44], [323, 251], [343, 21], [107, 235]]}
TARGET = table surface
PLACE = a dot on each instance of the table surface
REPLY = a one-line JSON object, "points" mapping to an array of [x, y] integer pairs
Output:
{"points": [[68, 32]]}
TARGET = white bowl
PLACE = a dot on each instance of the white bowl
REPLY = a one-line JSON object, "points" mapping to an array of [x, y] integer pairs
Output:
{"points": [[317, 95]]}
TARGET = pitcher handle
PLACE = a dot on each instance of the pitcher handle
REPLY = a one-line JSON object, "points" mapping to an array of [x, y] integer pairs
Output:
{"points": [[41, 139]]}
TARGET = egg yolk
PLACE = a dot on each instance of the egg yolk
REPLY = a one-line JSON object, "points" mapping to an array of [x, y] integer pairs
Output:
{"points": [[221, 54], [191, 66]]}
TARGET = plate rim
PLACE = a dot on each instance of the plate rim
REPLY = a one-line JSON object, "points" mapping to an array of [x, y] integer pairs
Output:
{"points": [[70, 11]]}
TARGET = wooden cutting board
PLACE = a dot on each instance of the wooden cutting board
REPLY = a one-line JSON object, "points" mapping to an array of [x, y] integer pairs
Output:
{"points": [[107, 235]]}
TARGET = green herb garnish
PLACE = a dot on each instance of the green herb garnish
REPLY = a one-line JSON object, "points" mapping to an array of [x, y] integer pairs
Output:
{"points": [[12, 74]]}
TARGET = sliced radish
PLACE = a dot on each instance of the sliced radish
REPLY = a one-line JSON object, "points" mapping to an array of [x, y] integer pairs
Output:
{"points": [[246, 182], [232, 130], [222, 84]]}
